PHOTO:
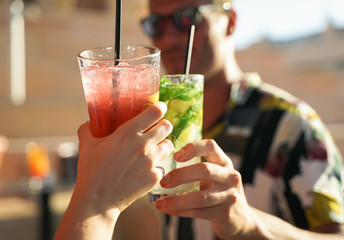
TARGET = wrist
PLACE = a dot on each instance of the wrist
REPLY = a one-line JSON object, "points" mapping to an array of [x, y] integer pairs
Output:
{"points": [[254, 228], [260, 230], [86, 219], [94, 203]]}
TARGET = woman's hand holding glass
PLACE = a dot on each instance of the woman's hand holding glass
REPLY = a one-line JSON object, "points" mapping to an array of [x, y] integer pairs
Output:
{"points": [[121, 167], [114, 171]]}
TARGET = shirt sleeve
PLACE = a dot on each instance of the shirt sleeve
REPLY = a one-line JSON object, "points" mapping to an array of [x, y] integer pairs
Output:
{"points": [[319, 185]]}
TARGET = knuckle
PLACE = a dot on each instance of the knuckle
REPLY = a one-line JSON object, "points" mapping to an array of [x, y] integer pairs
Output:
{"points": [[142, 151], [148, 163], [190, 147], [167, 126], [169, 146], [211, 144], [233, 197], [156, 111], [207, 169], [127, 134], [235, 178], [206, 198]]}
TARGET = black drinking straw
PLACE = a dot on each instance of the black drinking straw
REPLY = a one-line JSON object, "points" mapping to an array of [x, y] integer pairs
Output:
{"points": [[189, 50], [118, 30]]}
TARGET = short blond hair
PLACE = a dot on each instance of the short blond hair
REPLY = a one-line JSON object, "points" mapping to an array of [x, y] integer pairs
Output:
{"points": [[220, 1], [227, 4]]}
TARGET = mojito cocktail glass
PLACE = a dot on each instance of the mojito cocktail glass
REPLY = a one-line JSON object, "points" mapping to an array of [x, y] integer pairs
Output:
{"points": [[116, 90], [183, 95]]}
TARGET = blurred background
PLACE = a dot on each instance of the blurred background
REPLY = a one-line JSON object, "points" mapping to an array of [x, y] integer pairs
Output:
{"points": [[297, 45]]}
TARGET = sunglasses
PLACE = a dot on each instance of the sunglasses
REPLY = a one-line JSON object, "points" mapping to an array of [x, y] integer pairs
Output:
{"points": [[182, 19]]}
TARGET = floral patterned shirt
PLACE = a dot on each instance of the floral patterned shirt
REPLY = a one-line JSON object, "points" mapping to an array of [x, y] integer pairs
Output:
{"points": [[289, 163]]}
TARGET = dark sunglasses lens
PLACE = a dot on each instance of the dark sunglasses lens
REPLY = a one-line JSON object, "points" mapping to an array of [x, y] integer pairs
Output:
{"points": [[152, 25], [186, 17]]}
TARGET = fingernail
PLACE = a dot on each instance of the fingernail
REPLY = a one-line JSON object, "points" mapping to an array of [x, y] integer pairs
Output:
{"points": [[161, 203], [165, 180], [170, 145], [163, 107], [179, 154]]}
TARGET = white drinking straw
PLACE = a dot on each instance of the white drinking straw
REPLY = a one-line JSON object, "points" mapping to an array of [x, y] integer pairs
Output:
{"points": [[189, 50]]}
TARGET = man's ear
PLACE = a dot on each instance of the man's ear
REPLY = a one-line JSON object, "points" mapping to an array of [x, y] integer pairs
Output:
{"points": [[232, 16]]}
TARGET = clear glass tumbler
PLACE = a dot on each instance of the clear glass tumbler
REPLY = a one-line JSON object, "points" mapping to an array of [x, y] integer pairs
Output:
{"points": [[183, 95], [116, 90]]}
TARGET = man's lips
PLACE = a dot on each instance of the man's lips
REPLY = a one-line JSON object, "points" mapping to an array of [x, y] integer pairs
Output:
{"points": [[174, 58], [174, 55]]}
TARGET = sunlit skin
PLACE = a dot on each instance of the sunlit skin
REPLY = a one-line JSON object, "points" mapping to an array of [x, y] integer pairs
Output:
{"points": [[113, 172]]}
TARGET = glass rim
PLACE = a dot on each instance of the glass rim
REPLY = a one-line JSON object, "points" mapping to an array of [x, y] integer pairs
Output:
{"points": [[176, 79], [181, 74], [153, 54]]}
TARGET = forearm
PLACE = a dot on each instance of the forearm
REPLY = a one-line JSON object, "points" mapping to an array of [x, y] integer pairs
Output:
{"points": [[271, 227], [82, 222]]}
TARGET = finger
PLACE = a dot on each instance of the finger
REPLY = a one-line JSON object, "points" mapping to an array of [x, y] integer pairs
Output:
{"points": [[206, 148], [85, 132], [163, 149], [147, 118], [194, 200], [159, 131], [191, 213], [208, 172], [160, 171], [208, 213]]}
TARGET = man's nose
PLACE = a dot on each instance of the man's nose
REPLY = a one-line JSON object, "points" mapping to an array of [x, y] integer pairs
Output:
{"points": [[171, 33]]}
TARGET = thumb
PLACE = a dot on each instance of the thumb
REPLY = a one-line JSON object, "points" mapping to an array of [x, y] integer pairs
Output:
{"points": [[85, 132]]}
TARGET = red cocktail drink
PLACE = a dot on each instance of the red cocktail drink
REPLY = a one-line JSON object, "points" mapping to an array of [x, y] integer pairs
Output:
{"points": [[117, 90]]}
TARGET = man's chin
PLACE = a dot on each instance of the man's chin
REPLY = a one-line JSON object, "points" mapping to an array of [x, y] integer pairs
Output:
{"points": [[174, 67]]}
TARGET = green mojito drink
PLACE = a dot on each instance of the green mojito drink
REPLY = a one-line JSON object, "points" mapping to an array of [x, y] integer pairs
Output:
{"points": [[183, 95]]}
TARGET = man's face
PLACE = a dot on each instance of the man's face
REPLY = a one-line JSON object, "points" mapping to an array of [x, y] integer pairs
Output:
{"points": [[173, 42]]}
